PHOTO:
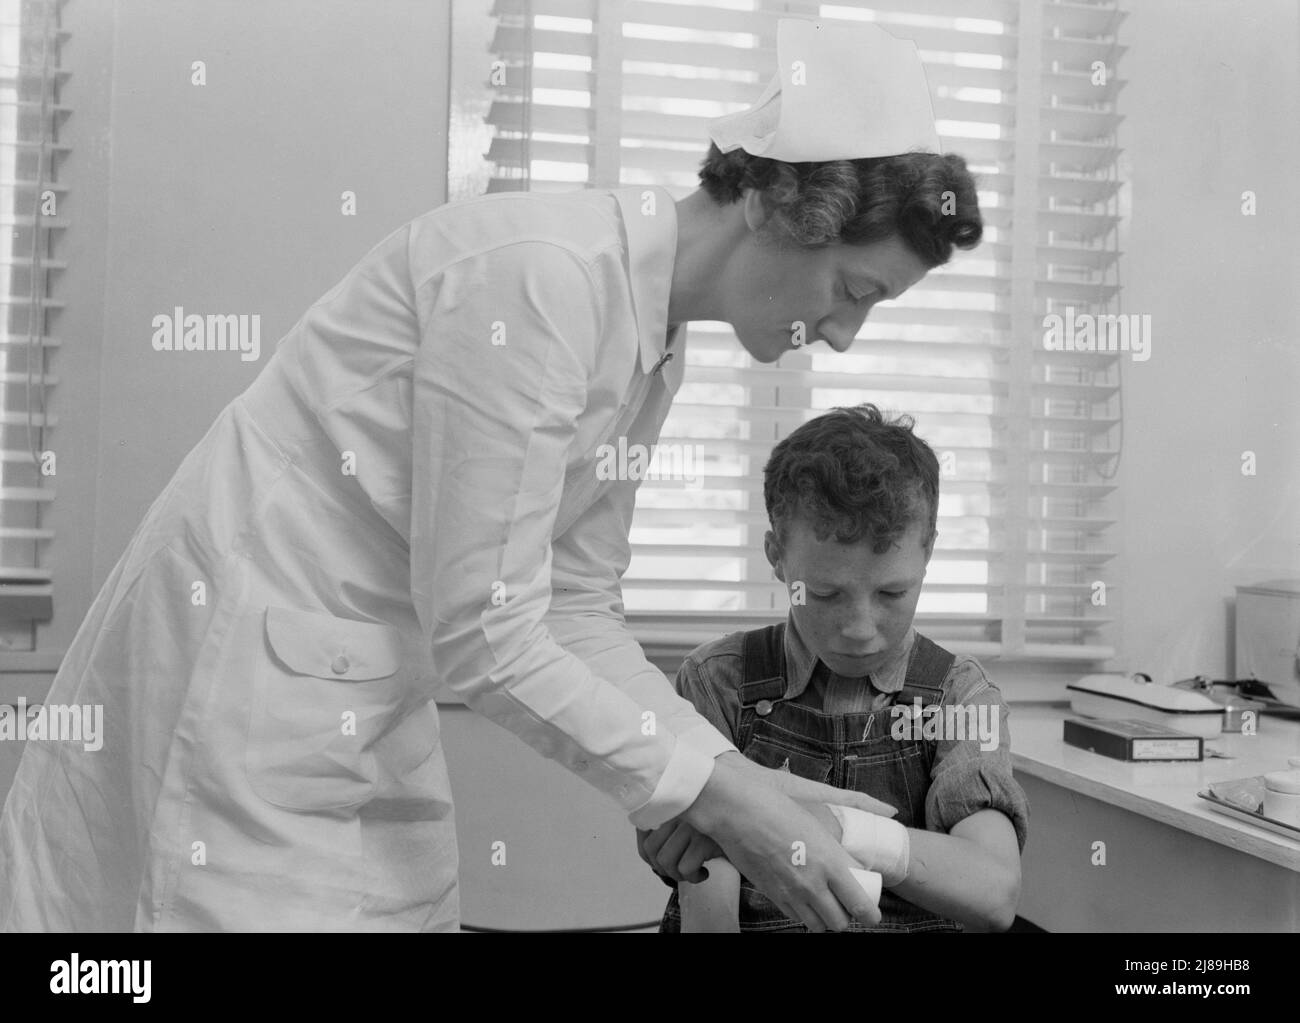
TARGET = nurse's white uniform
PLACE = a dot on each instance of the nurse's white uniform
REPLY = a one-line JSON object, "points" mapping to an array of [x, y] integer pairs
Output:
{"points": [[405, 499]]}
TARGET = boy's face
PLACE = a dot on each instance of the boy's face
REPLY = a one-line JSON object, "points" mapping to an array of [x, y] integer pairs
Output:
{"points": [[857, 605]]}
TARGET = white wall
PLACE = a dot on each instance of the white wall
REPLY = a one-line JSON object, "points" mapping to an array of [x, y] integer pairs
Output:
{"points": [[218, 198], [1212, 109]]}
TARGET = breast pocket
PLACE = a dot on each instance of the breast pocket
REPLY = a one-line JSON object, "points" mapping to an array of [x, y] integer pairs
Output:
{"points": [[771, 752], [895, 772], [323, 690]]}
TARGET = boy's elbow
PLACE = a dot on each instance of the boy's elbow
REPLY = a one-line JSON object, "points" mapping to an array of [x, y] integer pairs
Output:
{"points": [[994, 920], [1002, 918], [999, 912], [1003, 912]]}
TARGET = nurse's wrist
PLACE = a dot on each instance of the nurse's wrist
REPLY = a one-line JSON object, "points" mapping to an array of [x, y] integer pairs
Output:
{"points": [[709, 808], [683, 781]]}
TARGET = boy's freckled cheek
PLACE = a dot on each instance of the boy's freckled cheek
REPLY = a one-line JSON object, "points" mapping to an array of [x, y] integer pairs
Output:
{"points": [[814, 624]]}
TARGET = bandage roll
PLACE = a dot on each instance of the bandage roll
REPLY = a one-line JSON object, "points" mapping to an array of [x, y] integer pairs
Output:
{"points": [[870, 881], [713, 905]]}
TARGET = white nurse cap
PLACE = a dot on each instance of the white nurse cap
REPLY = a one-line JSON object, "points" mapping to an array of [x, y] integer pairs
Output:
{"points": [[841, 92]]}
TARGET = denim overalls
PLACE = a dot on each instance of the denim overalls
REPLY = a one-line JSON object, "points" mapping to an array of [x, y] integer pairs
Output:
{"points": [[850, 751]]}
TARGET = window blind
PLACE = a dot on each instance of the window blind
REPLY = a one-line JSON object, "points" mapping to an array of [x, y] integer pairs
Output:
{"points": [[31, 213], [552, 95]]}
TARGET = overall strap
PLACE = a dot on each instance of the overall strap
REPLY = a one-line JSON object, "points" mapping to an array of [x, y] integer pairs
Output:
{"points": [[927, 669], [764, 677], [763, 680]]}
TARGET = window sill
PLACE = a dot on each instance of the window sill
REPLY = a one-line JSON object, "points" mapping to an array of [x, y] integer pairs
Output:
{"points": [[27, 674], [30, 660]]}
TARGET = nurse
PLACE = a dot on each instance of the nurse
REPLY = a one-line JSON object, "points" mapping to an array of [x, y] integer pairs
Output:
{"points": [[405, 502]]}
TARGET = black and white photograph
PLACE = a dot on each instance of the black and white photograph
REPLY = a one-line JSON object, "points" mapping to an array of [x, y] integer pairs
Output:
{"points": [[651, 466]]}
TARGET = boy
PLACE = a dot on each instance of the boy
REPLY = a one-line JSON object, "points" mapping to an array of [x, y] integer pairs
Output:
{"points": [[848, 693]]}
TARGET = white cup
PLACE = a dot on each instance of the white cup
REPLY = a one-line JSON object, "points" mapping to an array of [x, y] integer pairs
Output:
{"points": [[1282, 796]]}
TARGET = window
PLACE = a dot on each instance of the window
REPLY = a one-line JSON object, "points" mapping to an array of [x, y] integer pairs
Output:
{"points": [[30, 247], [552, 95]]}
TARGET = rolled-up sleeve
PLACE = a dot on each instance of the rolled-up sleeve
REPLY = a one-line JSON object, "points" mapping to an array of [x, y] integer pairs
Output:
{"points": [[508, 343], [965, 778], [719, 704]]}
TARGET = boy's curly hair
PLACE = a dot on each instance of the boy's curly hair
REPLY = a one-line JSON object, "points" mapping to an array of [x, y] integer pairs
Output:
{"points": [[852, 475], [927, 199]]}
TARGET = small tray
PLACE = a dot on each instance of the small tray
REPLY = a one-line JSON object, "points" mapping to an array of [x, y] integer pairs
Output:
{"points": [[1257, 818]]}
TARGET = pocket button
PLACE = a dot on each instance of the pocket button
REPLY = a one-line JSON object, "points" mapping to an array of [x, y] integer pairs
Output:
{"points": [[340, 665]]}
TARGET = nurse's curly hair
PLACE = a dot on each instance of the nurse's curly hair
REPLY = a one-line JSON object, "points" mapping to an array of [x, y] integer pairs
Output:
{"points": [[857, 201], [853, 475]]}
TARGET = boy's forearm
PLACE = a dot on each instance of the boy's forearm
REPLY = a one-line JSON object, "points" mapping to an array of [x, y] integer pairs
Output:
{"points": [[960, 879]]}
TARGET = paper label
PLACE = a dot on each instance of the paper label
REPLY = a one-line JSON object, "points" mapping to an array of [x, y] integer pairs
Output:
{"points": [[1164, 749]]}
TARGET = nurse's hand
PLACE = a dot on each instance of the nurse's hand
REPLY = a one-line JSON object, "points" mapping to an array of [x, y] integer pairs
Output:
{"points": [[781, 848], [677, 852]]}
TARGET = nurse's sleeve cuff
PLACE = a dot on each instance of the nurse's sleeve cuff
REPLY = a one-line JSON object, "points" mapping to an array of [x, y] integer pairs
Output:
{"points": [[679, 786], [707, 739]]}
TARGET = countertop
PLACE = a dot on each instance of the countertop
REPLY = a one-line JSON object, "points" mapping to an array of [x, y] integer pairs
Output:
{"points": [[1164, 792]]}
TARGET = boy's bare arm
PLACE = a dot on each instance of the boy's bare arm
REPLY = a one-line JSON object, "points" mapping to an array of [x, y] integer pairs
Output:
{"points": [[971, 874]]}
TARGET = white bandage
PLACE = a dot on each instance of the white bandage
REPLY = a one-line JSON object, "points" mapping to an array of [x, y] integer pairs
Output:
{"points": [[713, 905], [878, 843]]}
